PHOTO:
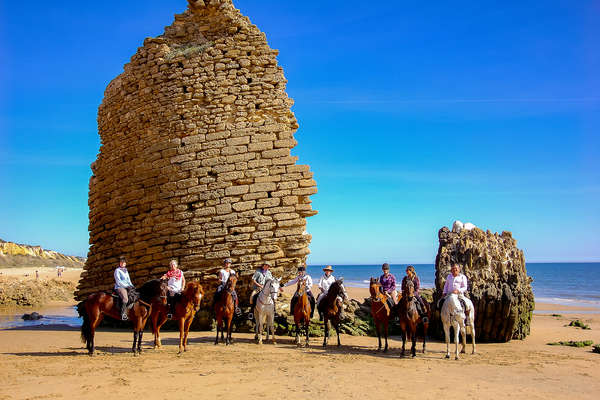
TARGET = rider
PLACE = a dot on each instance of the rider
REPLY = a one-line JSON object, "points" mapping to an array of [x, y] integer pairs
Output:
{"points": [[259, 279], [176, 283], [223, 276], [456, 283], [388, 283], [411, 274], [302, 275], [122, 284], [324, 283]]}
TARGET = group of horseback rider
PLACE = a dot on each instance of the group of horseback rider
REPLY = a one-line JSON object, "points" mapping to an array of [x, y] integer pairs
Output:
{"points": [[455, 283]]}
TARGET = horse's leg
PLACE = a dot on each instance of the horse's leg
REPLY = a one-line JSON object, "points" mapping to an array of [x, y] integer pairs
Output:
{"points": [[456, 333], [272, 324], [425, 329], [259, 324], [463, 330], [180, 324], [377, 329], [139, 346], [297, 340], [306, 326], [413, 349], [403, 328], [229, 327], [135, 337], [188, 323], [93, 325], [218, 326], [385, 332], [326, 329], [337, 330], [447, 336], [473, 333]]}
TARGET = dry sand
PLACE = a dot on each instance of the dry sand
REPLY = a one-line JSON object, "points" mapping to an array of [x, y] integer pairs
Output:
{"points": [[49, 362]]}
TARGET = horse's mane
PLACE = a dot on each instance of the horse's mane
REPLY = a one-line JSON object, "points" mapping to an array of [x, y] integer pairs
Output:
{"points": [[150, 289]]}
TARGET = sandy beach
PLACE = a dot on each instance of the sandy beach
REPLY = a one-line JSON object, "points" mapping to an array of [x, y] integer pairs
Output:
{"points": [[50, 362]]}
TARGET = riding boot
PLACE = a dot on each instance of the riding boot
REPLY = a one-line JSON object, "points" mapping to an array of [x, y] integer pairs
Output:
{"points": [[237, 310], [123, 311], [252, 305], [293, 303], [312, 306]]}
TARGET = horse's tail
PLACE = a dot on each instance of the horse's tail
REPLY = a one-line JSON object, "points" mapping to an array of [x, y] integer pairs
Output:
{"points": [[86, 327]]}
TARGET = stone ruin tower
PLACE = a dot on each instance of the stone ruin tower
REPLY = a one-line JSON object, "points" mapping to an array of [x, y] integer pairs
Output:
{"points": [[498, 283], [195, 161]]}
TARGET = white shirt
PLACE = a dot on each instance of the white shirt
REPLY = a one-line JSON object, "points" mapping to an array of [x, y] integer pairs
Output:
{"points": [[175, 285], [224, 275], [455, 283], [305, 277], [325, 282]]}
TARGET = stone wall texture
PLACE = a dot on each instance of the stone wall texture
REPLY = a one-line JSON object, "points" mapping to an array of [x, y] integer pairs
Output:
{"points": [[195, 160], [498, 283]]}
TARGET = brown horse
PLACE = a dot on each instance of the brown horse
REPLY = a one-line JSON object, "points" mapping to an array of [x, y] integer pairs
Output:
{"points": [[99, 304], [185, 310], [331, 309], [409, 318], [224, 310], [380, 310], [301, 311]]}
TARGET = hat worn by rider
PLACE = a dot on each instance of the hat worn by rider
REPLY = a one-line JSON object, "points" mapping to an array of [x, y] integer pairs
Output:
{"points": [[328, 268], [267, 264], [227, 261], [385, 266], [301, 268]]}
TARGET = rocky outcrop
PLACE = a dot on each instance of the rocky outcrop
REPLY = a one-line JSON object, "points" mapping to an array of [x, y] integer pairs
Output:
{"points": [[18, 255], [498, 283], [31, 292], [195, 159]]}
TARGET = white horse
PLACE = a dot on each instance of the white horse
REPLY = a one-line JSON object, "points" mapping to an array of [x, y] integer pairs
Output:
{"points": [[453, 314], [264, 311]]}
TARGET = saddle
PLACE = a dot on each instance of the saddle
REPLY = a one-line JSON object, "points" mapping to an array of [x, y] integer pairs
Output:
{"points": [[132, 296], [463, 304]]}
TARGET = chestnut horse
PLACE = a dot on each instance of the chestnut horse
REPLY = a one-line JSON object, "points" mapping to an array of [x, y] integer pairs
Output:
{"points": [[224, 310], [409, 318], [301, 311], [97, 305], [186, 307], [331, 308], [380, 310]]}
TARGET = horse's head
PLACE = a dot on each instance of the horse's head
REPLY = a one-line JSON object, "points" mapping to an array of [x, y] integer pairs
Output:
{"points": [[301, 287], [273, 285], [409, 292], [231, 282], [374, 288], [339, 289], [164, 291], [193, 293]]}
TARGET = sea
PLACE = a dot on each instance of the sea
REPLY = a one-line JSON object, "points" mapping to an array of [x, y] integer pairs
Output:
{"points": [[575, 284]]}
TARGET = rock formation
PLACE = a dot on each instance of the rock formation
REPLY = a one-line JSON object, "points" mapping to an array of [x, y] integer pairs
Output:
{"points": [[195, 161], [16, 255], [498, 283]]}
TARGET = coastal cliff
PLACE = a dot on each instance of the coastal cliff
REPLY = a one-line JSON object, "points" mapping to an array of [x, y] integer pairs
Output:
{"points": [[498, 283], [19, 255]]}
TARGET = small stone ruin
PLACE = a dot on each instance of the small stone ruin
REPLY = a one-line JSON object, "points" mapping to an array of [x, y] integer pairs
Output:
{"points": [[195, 162], [498, 283]]}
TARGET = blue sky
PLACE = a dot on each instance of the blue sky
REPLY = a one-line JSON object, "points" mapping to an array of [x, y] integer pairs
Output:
{"points": [[412, 114]]}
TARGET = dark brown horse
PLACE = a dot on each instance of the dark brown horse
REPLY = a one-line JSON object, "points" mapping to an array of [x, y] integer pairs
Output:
{"points": [[332, 309], [301, 311], [99, 304], [185, 309], [224, 310], [380, 310], [409, 318]]}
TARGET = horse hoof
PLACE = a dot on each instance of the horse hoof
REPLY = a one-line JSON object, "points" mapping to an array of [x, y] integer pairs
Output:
{"points": [[274, 342], [456, 358], [447, 355], [385, 350], [414, 355]]}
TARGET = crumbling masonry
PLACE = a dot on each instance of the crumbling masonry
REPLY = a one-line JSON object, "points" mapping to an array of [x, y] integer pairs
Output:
{"points": [[195, 157]]}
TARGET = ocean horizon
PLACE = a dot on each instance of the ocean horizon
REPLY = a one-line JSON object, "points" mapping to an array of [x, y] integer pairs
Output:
{"points": [[572, 283]]}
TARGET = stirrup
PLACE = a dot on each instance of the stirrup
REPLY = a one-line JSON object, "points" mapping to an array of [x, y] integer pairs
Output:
{"points": [[124, 317], [170, 316], [250, 316]]}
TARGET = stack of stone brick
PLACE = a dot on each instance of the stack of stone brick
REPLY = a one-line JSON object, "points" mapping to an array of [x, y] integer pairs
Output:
{"points": [[195, 160]]}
